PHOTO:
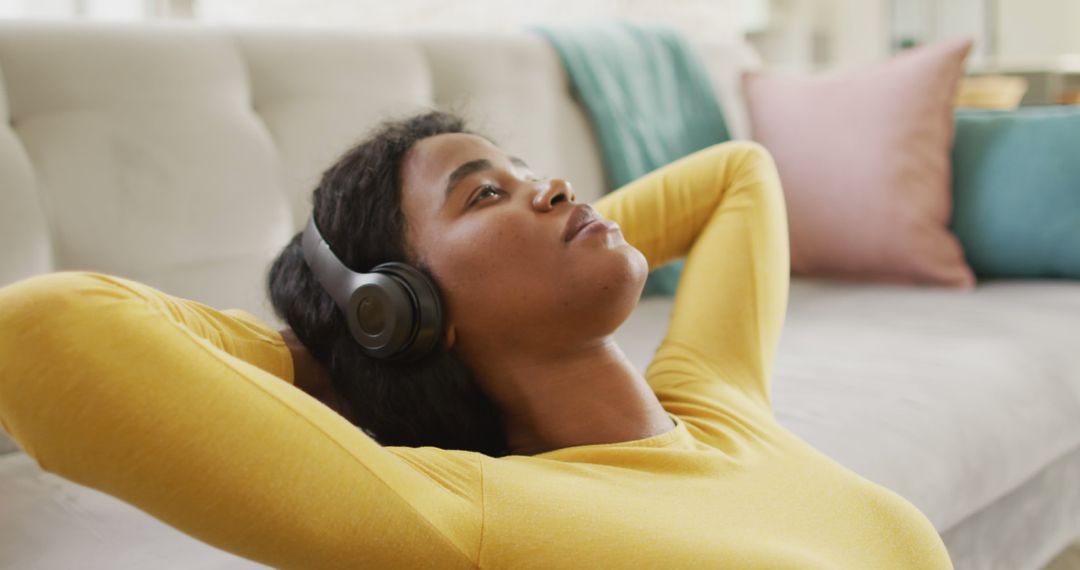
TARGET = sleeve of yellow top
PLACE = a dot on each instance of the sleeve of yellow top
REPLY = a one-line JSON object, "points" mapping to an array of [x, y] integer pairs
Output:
{"points": [[723, 209], [180, 410]]}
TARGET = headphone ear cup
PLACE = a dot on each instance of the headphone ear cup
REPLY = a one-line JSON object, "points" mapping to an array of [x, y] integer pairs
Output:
{"points": [[393, 312], [422, 320], [379, 312]]}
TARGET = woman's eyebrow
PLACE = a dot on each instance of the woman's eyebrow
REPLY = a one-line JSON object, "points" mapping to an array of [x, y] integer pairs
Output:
{"points": [[474, 166]]}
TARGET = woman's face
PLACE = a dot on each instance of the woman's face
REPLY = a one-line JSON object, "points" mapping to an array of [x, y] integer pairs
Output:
{"points": [[492, 234]]}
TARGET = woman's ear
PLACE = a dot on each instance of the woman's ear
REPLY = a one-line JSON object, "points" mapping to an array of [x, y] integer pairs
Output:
{"points": [[451, 336]]}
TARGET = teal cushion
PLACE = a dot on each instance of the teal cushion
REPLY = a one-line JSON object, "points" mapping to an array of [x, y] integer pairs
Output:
{"points": [[1016, 191]]}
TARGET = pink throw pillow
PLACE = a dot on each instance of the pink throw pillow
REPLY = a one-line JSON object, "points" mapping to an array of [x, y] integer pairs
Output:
{"points": [[864, 160]]}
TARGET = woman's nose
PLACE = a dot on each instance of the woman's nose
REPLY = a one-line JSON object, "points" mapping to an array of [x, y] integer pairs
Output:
{"points": [[555, 189]]}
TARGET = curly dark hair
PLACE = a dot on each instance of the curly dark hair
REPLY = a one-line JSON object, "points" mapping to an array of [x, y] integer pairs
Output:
{"points": [[434, 401]]}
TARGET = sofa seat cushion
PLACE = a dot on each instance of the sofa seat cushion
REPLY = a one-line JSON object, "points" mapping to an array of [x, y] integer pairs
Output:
{"points": [[47, 521], [950, 398]]}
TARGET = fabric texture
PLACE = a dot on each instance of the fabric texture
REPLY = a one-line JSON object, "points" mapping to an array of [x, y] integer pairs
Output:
{"points": [[1016, 191], [864, 159], [649, 98], [188, 413]]}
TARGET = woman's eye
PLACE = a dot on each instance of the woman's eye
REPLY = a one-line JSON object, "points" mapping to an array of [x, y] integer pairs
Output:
{"points": [[483, 190]]}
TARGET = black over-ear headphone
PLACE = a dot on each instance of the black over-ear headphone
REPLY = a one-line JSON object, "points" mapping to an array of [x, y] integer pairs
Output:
{"points": [[394, 312]]}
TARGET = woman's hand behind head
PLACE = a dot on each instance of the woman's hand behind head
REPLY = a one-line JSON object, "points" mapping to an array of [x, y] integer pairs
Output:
{"points": [[312, 377]]}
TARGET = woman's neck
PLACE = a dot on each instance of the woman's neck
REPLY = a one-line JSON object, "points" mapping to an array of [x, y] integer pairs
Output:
{"points": [[589, 395]]}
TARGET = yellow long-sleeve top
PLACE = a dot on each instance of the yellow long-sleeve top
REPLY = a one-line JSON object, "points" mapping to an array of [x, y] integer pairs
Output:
{"points": [[189, 413]]}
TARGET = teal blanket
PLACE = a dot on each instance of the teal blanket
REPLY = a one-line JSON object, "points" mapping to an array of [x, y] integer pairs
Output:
{"points": [[649, 99]]}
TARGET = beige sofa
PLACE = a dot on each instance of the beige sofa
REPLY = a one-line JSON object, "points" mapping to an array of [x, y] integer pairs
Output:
{"points": [[183, 157]]}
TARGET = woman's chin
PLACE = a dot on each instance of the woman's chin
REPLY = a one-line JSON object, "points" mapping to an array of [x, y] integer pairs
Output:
{"points": [[613, 286], [636, 269]]}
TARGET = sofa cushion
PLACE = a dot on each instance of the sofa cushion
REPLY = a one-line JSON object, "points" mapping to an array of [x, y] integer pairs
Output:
{"points": [[864, 159], [149, 161], [1016, 191], [7, 445], [314, 93], [23, 230], [47, 521]]}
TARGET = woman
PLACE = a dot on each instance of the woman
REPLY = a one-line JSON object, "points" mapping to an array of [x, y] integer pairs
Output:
{"points": [[526, 439]]}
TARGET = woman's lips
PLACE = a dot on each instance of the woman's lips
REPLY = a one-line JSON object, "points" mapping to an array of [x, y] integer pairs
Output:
{"points": [[595, 226], [580, 215]]}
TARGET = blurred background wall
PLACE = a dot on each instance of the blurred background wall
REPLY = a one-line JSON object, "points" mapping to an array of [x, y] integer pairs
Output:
{"points": [[1034, 39]]}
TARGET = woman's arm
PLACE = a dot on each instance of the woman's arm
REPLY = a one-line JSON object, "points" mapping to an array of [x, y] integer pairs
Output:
{"points": [[723, 208], [181, 410]]}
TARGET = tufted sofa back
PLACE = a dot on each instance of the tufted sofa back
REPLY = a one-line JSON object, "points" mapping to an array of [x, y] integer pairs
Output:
{"points": [[184, 156]]}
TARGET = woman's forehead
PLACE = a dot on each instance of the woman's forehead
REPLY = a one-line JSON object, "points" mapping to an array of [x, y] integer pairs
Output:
{"points": [[440, 154], [436, 161]]}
